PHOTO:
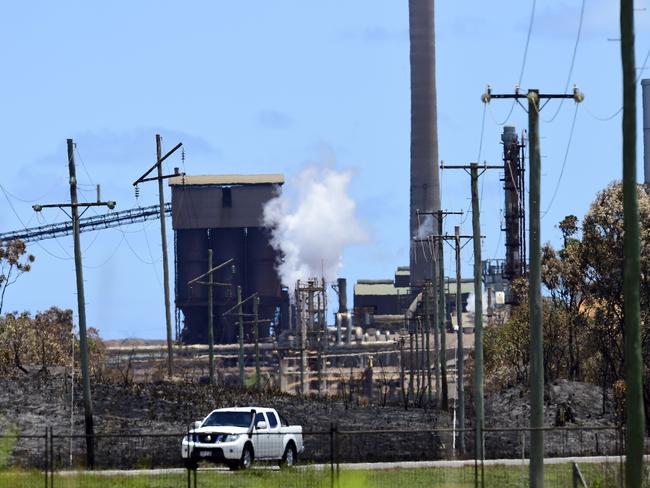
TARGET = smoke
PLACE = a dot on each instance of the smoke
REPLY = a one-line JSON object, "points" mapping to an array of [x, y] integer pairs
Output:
{"points": [[470, 302], [312, 223], [425, 228]]}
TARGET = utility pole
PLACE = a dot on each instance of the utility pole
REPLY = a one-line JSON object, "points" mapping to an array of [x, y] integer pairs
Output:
{"points": [[427, 343], [241, 337], [163, 235], [210, 318], [256, 335], [460, 358], [210, 283], [460, 402], [240, 314], [535, 274], [309, 327], [439, 258], [409, 323], [478, 297], [631, 268], [81, 302], [418, 359]]}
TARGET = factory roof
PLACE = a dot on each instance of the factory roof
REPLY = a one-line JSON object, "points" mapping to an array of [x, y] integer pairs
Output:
{"points": [[268, 179], [387, 287], [379, 287], [375, 282]]}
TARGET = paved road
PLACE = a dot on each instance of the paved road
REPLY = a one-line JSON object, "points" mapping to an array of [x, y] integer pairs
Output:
{"points": [[367, 466]]}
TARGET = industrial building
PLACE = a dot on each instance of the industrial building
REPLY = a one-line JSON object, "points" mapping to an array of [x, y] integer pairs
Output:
{"points": [[376, 300], [224, 213]]}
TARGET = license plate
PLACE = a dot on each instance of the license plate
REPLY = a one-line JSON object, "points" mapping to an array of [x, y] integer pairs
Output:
{"points": [[205, 453]]}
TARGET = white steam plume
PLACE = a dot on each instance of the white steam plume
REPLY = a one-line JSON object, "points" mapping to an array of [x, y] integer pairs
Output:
{"points": [[425, 228], [312, 223], [471, 302]]}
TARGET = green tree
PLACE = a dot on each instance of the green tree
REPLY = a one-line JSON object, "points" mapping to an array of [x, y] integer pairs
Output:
{"points": [[53, 331], [583, 303], [507, 347], [45, 340], [602, 254], [14, 261], [564, 278], [16, 341]]}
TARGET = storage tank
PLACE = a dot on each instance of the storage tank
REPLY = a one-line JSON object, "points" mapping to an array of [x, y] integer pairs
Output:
{"points": [[224, 213]]}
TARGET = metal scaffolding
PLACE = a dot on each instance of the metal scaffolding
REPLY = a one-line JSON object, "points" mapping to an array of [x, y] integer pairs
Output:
{"points": [[95, 222]]}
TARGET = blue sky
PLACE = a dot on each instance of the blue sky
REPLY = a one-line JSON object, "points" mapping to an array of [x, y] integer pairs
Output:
{"points": [[264, 86]]}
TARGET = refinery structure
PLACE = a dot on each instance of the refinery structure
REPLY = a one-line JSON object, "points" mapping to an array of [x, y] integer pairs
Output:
{"points": [[304, 335], [228, 295]]}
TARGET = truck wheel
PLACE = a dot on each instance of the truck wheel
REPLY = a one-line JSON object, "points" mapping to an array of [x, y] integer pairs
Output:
{"points": [[290, 457], [246, 457], [190, 464]]}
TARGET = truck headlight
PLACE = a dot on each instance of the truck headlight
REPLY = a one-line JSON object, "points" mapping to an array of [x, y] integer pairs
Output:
{"points": [[231, 437]]}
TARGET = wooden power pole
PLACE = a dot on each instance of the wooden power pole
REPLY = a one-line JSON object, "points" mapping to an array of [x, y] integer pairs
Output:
{"points": [[460, 352], [163, 235], [478, 298], [535, 275], [210, 284], [239, 306], [81, 303], [631, 268], [439, 270]]}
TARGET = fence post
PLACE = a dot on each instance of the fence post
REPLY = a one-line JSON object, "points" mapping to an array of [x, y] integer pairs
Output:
{"points": [[332, 455], [51, 457], [476, 459], [523, 456], [336, 453], [187, 465], [482, 445], [621, 452], [577, 476], [47, 456]]}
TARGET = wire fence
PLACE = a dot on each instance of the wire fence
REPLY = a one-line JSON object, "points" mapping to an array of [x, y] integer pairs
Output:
{"points": [[575, 456]]}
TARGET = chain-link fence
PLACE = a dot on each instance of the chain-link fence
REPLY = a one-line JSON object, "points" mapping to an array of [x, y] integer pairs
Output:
{"points": [[330, 458]]}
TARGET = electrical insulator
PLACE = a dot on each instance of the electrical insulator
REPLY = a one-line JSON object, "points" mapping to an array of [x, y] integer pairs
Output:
{"points": [[137, 192]]}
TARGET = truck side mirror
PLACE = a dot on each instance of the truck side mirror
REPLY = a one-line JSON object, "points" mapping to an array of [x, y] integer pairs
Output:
{"points": [[196, 424], [261, 425]]}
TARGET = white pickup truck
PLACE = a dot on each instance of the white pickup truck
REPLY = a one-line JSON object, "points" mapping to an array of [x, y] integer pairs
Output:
{"points": [[238, 436]]}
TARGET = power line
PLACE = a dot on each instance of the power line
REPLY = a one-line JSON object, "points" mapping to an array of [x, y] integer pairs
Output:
{"points": [[43, 221], [112, 254], [530, 30], [573, 60], [4, 192], [128, 244], [496, 250], [83, 165], [23, 200], [566, 156], [523, 66], [638, 78], [603, 119]]}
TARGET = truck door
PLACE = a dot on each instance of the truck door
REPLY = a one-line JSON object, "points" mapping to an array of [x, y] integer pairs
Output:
{"points": [[275, 436], [261, 441]]}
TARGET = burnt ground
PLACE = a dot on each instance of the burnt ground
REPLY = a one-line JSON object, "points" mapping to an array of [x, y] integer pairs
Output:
{"points": [[163, 411], [577, 411]]}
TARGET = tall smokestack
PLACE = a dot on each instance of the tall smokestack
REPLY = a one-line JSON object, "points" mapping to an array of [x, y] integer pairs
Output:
{"points": [[645, 86], [343, 294], [425, 181]]}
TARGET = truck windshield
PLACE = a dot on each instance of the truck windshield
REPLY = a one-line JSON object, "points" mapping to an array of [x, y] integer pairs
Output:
{"points": [[228, 419]]}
